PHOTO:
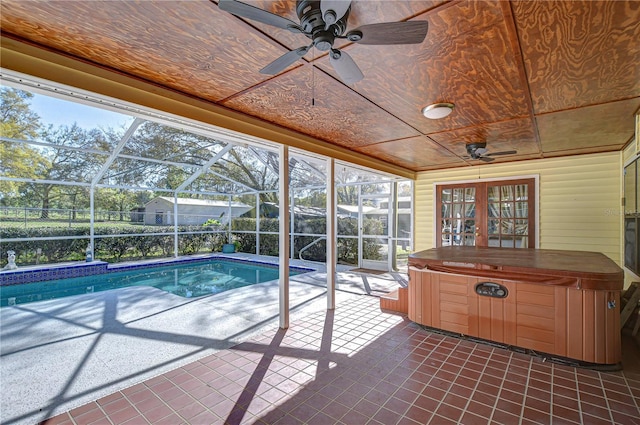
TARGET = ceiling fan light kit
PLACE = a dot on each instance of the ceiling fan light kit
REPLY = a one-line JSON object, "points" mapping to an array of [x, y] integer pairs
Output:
{"points": [[324, 21], [437, 111]]}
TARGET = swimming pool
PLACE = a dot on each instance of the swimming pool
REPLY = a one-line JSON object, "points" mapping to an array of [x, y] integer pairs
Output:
{"points": [[186, 280]]}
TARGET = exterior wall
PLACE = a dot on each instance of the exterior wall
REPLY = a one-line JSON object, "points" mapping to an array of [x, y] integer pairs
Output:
{"points": [[579, 200], [188, 214], [157, 205]]}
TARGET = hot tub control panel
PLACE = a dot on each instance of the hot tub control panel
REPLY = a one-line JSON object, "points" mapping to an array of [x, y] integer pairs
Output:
{"points": [[491, 289]]}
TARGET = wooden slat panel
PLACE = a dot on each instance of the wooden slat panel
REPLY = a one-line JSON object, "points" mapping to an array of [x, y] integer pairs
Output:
{"points": [[539, 321], [529, 331], [560, 316], [613, 338], [484, 317], [614, 335], [536, 344], [395, 301], [456, 299], [510, 314], [543, 312], [447, 317], [435, 300], [600, 318], [475, 324], [575, 323], [453, 307], [419, 295], [589, 321], [497, 320]]}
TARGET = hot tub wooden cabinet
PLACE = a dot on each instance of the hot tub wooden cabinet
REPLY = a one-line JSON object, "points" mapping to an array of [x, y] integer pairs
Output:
{"points": [[564, 303]]}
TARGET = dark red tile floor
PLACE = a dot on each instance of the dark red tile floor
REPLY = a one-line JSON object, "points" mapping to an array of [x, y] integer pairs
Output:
{"points": [[358, 365]]}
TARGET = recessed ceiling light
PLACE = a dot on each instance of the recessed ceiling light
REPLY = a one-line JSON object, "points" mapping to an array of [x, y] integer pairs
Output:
{"points": [[437, 110]]}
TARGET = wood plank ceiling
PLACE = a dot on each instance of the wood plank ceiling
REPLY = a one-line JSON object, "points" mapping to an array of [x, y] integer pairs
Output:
{"points": [[544, 78]]}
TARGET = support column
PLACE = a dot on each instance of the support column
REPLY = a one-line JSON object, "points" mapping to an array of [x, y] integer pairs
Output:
{"points": [[92, 221], [331, 234], [283, 195], [175, 225]]}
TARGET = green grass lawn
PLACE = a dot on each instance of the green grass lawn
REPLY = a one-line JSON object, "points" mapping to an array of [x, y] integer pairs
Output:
{"points": [[65, 224]]}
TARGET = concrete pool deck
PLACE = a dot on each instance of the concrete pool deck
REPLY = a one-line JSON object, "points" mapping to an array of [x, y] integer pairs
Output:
{"points": [[60, 354]]}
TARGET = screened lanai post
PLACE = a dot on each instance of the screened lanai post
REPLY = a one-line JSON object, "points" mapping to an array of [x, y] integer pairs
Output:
{"points": [[257, 223], [103, 169], [92, 206], [175, 224], [283, 234], [331, 234]]}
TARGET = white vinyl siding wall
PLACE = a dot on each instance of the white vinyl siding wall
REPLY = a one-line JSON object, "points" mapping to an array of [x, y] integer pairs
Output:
{"points": [[579, 200]]}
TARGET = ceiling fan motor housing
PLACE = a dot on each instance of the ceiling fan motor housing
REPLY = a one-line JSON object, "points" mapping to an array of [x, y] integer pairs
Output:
{"points": [[314, 25], [473, 147]]}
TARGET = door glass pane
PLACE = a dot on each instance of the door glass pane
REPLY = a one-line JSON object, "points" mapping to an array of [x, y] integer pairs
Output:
{"points": [[458, 195], [469, 194], [446, 211], [470, 226], [457, 211], [446, 233], [522, 192], [522, 209], [507, 227], [494, 227], [506, 193], [494, 210], [507, 242], [507, 210], [470, 240], [493, 194], [470, 210], [522, 227], [446, 195], [494, 241]]}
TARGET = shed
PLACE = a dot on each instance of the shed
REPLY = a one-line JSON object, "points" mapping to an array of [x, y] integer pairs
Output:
{"points": [[160, 211]]}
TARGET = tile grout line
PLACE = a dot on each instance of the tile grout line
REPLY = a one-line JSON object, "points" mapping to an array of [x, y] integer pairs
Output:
{"points": [[495, 404], [526, 387]]}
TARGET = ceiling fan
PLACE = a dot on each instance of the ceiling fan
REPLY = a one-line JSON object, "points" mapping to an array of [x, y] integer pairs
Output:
{"points": [[324, 21], [479, 151]]}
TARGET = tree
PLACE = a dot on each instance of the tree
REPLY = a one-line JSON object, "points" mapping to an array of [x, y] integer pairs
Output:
{"points": [[18, 122], [63, 164]]}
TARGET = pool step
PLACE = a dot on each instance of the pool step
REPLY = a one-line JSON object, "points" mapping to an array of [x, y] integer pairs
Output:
{"points": [[397, 301]]}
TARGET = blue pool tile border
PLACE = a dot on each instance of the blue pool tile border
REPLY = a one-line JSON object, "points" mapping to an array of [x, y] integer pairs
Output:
{"points": [[81, 269]]}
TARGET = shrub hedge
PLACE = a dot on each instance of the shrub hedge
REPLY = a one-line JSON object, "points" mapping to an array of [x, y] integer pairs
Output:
{"points": [[127, 247]]}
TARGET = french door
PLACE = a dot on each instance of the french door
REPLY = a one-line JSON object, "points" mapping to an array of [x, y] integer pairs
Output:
{"points": [[497, 213]]}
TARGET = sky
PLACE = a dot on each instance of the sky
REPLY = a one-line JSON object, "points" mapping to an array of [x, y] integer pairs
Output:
{"points": [[60, 112]]}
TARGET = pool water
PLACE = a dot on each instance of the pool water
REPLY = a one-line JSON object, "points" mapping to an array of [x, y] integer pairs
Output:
{"points": [[185, 280]]}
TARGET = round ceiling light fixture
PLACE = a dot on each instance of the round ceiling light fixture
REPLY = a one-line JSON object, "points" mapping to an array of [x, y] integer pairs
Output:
{"points": [[437, 110]]}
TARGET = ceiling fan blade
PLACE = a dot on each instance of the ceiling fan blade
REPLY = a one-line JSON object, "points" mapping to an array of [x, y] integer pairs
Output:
{"points": [[333, 10], [486, 158], [412, 32], [285, 60], [345, 66], [256, 14], [502, 153]]}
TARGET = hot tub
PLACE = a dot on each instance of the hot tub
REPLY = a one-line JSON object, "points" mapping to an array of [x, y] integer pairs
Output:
{"points": [[564, 303]]}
